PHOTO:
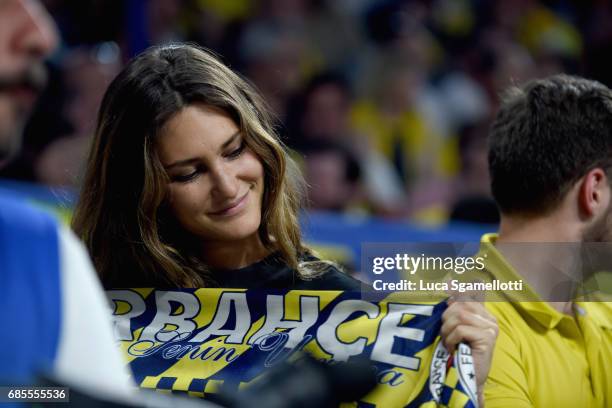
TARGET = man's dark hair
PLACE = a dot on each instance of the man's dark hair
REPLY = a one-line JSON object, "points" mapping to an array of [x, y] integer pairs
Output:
{"points": [[546, 136]]}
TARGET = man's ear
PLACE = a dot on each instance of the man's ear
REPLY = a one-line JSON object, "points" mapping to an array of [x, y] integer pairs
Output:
{"points": [[594, 193]]}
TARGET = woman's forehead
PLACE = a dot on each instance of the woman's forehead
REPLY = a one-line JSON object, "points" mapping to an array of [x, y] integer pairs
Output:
{"points": [[196, 128]]}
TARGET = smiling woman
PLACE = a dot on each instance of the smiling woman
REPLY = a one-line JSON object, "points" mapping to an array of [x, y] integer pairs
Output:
{"points": [[188, 185]]}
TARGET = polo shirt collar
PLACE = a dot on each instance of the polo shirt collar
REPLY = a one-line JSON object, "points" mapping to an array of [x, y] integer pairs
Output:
{"points": [[499, 268]]}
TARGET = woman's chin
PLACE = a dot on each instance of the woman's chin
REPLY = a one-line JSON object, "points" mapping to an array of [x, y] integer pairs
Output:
{"points": [[237, 234]]}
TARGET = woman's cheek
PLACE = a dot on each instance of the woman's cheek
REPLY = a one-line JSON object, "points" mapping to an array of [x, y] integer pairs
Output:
{"points": [[253, 165], [184, 201]]}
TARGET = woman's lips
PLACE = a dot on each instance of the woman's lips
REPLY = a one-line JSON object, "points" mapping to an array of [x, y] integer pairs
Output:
{"points": [[232, 209]]}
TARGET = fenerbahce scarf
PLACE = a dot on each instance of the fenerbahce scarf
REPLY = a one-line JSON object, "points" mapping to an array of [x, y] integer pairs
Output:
{"points": [[193, 340]]}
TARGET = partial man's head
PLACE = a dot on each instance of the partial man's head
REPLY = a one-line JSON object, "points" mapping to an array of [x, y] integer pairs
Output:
{"points": [[27, 36], [550, 145]]}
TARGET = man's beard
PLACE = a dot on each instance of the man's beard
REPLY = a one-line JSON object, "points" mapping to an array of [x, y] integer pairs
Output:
{"points": [[10, 141], [32, 79]]}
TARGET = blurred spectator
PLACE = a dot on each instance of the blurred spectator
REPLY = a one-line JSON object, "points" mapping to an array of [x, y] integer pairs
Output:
{"points": [[473, 200], [164, 21], [322, 114], [275, 50], [333, 176], [87, 72], [473, 177], [398, 129], [320, 111]]}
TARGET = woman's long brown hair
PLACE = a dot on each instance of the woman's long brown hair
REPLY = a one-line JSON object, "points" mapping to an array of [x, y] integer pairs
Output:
{"points": [[121, 214]]}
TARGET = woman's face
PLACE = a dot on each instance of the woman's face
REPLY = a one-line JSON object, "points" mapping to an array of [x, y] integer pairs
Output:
{"points": [[216, 181]]}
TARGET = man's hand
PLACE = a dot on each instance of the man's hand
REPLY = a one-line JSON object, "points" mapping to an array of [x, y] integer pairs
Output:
{"points": [[466, 320]]}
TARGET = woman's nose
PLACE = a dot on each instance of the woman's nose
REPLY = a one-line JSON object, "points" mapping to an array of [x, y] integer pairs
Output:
{"points": [[225, 183]]}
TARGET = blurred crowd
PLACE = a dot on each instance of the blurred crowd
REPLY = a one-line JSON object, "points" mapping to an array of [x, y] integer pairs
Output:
{"points": [[386, 103]]}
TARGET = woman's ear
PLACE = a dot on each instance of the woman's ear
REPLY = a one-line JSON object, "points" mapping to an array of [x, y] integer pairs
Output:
{"points": [[594, 193]]}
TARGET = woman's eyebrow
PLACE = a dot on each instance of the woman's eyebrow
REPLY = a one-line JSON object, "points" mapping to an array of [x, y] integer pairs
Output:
{"points": [[192, 160], [230, 140], [179, 163]]}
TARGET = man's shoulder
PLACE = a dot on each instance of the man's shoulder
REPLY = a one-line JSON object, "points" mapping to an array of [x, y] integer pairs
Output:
{"points": [[18, 214], [515, 323], [600, 313], [31, 293]]}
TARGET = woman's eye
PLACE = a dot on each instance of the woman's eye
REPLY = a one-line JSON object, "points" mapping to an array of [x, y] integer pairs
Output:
{"points": [[183, 178], [237, 152]]}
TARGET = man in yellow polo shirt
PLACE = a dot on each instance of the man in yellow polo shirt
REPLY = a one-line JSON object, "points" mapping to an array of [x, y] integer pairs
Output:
{"points": [[550, 159]]}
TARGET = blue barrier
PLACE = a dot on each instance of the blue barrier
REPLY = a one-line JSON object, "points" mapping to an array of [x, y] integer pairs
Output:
{"points": [[351, 232]]}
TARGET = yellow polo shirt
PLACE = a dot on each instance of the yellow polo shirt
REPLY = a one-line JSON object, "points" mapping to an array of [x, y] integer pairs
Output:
{"points": [[544, 358]]}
